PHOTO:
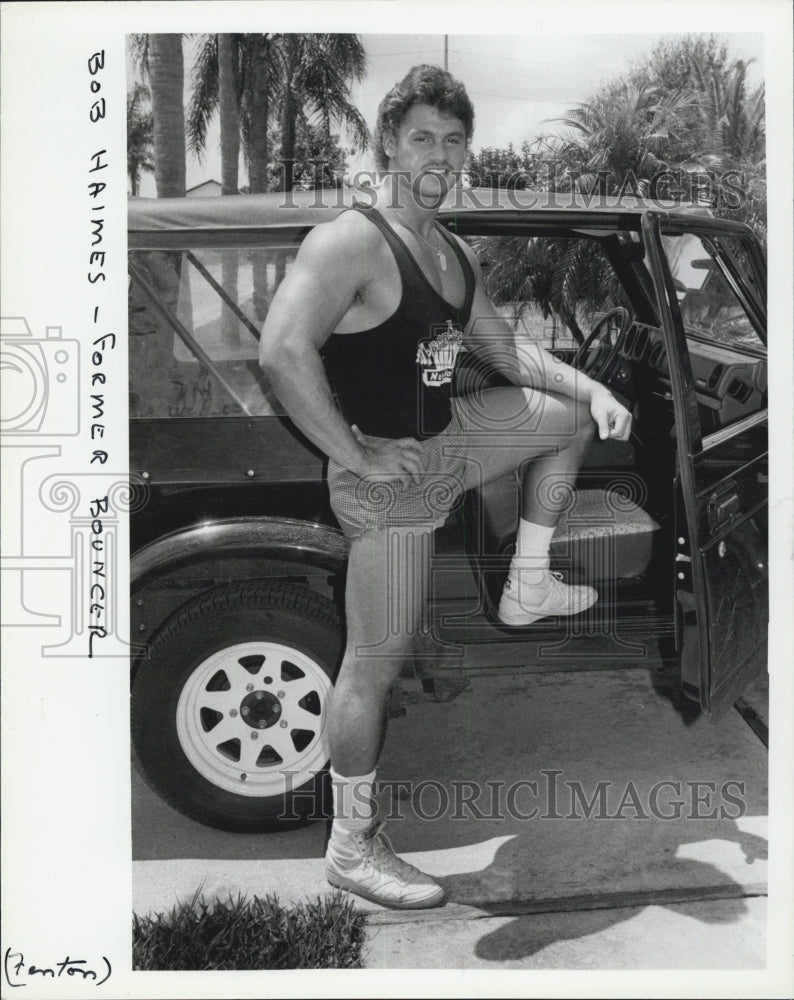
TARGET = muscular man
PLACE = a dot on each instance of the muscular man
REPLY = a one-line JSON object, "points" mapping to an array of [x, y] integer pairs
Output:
{"points": [[360, 346]]}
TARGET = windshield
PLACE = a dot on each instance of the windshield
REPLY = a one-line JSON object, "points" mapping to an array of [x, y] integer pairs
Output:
{"points": [[707, 286]]}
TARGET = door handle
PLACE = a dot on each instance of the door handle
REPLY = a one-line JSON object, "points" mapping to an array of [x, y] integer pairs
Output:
{"points": [[722, 507]]}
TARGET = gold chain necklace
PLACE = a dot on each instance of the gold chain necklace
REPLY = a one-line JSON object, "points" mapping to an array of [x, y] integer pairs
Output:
{"points": [[442, 257]]}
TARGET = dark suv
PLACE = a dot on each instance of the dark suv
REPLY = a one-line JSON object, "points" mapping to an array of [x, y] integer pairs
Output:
{"points": [[238, 565]]}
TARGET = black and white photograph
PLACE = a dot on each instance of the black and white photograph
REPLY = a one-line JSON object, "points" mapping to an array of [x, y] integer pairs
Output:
{"points": [[395, 583]]}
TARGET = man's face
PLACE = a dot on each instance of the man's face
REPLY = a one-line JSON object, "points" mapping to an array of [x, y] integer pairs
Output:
{"points": [[431, 147]]}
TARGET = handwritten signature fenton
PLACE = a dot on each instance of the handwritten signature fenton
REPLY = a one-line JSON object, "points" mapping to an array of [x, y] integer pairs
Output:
{"points": [[15, 968]]}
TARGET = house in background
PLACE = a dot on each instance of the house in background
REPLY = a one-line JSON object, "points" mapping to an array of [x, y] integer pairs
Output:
{"points": [[206, 189]]}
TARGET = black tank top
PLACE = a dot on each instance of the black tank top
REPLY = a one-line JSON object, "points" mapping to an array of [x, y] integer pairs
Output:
{"points": [[395, 379]]}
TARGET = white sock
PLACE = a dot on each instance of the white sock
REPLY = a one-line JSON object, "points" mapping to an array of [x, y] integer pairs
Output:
{"points": [[353, 805], [531, 558]]}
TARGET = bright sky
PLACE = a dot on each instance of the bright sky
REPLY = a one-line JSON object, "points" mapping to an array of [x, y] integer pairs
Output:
{"points": [[516, 82]]}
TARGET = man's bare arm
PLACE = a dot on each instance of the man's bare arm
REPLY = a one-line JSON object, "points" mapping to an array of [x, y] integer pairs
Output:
{"points": [[310, 302], [527, 363]]}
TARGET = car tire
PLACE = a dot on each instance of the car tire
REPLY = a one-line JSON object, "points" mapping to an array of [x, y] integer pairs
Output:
{"points": [[229, 710]]}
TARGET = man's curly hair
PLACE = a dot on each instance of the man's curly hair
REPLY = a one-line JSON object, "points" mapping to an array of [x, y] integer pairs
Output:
{"points": [[421, 85]]}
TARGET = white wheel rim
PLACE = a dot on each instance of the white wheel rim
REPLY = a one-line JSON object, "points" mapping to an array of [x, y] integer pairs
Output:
{"points": [[252, 718]]}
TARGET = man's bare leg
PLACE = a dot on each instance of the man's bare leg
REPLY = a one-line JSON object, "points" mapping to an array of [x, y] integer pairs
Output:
{"points": [[386, 602], [546, 436]]}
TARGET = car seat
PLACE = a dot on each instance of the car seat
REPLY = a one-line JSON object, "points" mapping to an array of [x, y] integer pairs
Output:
{"points": [[604, 534]]}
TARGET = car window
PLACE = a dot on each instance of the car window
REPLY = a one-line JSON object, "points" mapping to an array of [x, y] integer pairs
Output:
{"points": [[553, 289], [194, 322], [704, 279], [737, 256], [719, 303]]}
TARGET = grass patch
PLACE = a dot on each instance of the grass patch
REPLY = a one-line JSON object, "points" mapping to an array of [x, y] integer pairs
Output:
{"points": [[327, 933]]}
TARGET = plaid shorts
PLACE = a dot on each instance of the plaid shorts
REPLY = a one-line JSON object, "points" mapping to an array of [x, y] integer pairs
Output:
{"points": [[362, 505]]}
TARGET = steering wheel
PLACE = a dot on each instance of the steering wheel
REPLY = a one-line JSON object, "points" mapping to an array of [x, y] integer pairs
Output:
{"points": [[596, 355]]}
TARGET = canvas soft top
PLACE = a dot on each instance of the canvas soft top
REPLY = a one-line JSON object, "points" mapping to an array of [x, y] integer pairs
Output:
{"points": [[307, 208]]}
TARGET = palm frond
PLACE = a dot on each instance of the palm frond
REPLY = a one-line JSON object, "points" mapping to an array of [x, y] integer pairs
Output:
{"points": [[203, 101], [138, 46]]}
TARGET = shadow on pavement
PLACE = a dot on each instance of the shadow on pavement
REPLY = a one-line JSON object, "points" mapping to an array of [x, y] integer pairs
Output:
{"points": [[621, 877]]}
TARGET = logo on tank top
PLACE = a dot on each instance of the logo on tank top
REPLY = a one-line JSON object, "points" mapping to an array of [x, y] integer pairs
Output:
{"points": [[437, 356]]}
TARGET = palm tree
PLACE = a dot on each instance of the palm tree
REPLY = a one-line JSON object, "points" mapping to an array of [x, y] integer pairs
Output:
{"points": [[735, 120], [615, 143], [281, 78], [623, 138], [569, 278], [139, 136], [257, 102], [727, 131], [732, 134], [278, 79], [689, 110], [159, 57], [215, 86], [316, 71], [228, 101]]}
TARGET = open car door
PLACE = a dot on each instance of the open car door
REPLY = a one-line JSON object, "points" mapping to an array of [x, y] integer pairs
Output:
{"points": [[711, 283]]}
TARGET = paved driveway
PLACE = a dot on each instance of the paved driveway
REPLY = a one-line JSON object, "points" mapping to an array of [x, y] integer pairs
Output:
{"points": [[534, 798]]}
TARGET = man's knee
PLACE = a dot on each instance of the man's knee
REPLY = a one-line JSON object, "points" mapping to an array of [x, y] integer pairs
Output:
{"points": [[574, 421], [582, 425]]}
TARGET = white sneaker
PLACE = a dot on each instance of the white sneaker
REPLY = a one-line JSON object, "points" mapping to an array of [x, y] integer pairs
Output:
{"points": [[364, 863], [523, 604]]}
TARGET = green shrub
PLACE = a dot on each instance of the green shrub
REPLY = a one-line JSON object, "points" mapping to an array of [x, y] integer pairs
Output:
{"points": [[327, 933]]}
